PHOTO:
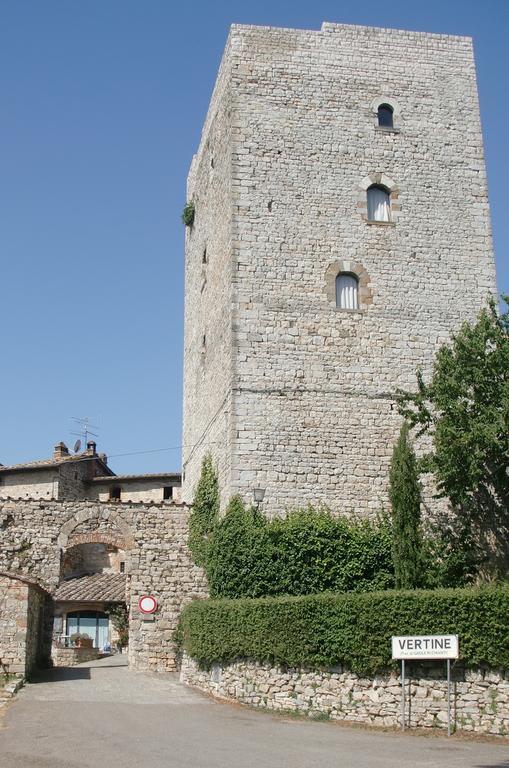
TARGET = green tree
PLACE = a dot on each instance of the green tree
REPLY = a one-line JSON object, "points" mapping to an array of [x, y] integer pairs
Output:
{"points": [[405, 498], [205, 512], [465, 410]]}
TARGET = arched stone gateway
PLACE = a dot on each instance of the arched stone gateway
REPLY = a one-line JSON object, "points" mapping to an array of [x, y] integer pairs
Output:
{"points": [[92, 597], [114, 552], [97, 519]]}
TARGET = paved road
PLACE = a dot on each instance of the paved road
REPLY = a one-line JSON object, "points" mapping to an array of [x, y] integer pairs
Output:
{"points": [[99, 715]]}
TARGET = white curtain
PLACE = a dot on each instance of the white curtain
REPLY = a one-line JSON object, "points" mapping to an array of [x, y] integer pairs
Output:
{"points": [[378, 204], [347, 292]]}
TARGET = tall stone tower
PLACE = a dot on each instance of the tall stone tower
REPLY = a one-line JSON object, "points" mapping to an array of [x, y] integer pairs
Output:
{"points": [[342, 232]]}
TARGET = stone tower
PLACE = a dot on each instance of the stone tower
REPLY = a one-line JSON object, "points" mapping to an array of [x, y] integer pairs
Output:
{"points": [[342, 232]]}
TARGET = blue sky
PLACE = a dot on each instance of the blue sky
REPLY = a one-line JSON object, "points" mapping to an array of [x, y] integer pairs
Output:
{"points": [[101, 108]]}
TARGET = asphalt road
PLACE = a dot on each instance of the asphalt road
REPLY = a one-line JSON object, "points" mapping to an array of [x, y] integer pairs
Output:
{"points": [[100, 715]]}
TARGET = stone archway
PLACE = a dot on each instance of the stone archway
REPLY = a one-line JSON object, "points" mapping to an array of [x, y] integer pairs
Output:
{"points": [[108, 522], [95, 554]]}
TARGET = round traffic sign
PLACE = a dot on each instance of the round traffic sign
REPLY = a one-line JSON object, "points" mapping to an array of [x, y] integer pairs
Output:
{"points": [[147, 604]]}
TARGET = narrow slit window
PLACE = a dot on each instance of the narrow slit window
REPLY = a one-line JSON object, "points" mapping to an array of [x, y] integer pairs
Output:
{"points": [[385, 116], [379, 203], [347, 291]]}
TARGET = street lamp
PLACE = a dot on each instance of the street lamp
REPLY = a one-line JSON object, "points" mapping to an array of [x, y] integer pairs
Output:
{"points": [[258, 496]]}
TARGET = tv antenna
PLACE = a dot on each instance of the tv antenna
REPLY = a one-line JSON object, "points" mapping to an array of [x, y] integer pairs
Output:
{"points": [[83, 429]]}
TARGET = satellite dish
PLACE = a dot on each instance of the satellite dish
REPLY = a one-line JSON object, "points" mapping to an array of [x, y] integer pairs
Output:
{"points": [[77, 446]]}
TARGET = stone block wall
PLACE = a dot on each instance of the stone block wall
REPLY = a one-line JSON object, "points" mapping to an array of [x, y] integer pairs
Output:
{"points": [[24, 641], [208, 339], [69, 657], [37, 534], [480, 698], [307, 408]]}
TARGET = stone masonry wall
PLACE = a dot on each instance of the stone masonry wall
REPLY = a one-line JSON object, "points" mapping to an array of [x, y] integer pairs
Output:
{"points": [[311, 408], [37, 533], [23, 641], [208, 297], [480, 697]]}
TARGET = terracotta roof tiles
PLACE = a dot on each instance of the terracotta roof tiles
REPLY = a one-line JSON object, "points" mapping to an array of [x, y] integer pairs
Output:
{"points": [[104, 587]]}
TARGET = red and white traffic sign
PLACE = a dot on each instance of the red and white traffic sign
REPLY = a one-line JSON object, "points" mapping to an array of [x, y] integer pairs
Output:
{"points": [[147, 604]]}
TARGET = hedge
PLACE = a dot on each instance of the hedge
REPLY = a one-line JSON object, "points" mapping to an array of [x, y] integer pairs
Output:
{"points": [[354, 630], [307, 552]]}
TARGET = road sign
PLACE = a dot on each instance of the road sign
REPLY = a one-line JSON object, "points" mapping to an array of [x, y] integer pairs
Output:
{"points": [[147, 604], [425, 647]]}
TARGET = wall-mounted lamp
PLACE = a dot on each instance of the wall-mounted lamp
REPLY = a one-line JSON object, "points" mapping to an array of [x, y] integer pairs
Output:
{"points": [[258, 495]]}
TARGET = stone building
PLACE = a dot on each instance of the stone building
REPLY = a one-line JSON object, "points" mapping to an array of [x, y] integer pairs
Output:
{"points": [[83, 475], [89, 541], [341, 233]]}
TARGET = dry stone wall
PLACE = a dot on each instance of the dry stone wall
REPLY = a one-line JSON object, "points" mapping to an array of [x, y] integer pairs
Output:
{"points": [[36, 534], [310, 406], [480, 698]]}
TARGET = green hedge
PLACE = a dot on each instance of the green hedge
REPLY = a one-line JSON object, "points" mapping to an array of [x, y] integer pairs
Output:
{"points": [[349, 629], [307, 552]]}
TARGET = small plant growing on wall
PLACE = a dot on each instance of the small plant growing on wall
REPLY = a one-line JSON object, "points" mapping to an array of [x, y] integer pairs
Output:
{"points": [[188, 214]]}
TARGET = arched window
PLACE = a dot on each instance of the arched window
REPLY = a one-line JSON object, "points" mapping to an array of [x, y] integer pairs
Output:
{"points": [[379, 203], [386, 116], [347, 291]]}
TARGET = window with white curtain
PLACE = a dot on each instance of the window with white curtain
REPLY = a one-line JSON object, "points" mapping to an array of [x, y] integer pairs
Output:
{"points": [[379, 203], [347, 291]]}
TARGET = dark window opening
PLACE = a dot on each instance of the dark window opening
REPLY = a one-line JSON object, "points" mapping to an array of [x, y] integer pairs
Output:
{"points": [[115, 493], [168, 492], [385, 116], [122, 567], [204, 256], [204, 340]]}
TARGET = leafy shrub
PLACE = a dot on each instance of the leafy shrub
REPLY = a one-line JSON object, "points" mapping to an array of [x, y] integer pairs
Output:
{"points": [[349, 629], [306, 552], [188, 214]]}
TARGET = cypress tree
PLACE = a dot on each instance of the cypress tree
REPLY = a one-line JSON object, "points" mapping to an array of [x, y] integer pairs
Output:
{"points": [[405, 497]]}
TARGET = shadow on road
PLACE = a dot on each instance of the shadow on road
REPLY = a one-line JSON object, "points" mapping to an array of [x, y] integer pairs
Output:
{"points": [[60, 674], [505, 764]]}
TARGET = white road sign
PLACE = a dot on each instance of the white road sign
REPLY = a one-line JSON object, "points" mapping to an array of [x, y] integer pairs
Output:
{"points": [[147, 604], [425, 647]]}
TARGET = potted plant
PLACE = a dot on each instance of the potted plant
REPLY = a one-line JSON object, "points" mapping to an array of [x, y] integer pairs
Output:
{"points": [[119, 616], [82, 640]]}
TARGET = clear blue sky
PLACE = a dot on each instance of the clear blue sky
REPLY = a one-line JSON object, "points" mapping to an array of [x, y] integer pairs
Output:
{"points": [[101, 108]]}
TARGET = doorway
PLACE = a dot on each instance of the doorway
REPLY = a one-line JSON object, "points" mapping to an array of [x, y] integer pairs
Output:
{"points": [[95, 624]]}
